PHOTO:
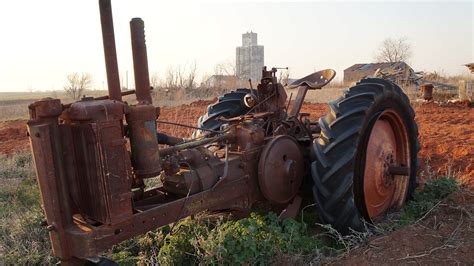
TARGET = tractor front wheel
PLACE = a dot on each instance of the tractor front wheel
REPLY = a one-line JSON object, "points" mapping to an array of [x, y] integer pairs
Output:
{"points": [[366, 156]]}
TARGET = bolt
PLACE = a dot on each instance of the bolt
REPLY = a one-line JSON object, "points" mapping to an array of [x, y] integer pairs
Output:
{"points": [[51, 227]]}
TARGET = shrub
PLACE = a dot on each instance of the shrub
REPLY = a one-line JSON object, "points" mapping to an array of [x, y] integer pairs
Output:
{"points": [[424, 200], [253, 240]]}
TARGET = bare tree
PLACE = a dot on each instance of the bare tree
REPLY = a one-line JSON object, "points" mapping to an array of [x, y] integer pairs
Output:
{"points": [[284, 76], [393, 50], [76, 84], [171, 79], [191, 75], [155, 81], [225, 68], [181, 77]]}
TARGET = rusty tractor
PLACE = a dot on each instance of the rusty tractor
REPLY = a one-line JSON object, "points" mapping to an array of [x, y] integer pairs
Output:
{"points": [[93, 156]]}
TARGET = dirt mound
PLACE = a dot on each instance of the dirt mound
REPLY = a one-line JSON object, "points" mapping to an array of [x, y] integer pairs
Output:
{"points": [[13, 136], [444, 237], [187, 114]]}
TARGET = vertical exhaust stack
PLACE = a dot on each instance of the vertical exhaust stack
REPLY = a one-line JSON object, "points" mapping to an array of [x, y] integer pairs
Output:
{"points": [[142, 117], [110, 53], [140, 61]]}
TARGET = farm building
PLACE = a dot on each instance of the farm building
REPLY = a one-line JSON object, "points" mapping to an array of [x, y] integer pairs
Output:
{"points": [[401, 70]]}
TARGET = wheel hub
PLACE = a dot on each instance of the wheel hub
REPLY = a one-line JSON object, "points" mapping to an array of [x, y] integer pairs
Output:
{"points": [[387, 149], [280, 170], [387, 176]]}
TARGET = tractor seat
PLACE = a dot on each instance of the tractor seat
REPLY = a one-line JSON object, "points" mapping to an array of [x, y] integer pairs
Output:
{"points": [[317, 80]]}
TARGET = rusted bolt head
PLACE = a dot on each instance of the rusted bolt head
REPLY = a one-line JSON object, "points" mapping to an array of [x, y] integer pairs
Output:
{"points": [[51, 227]]}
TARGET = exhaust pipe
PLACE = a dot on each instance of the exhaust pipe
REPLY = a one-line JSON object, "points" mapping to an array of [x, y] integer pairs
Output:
{"points": [[140, 61], [141, 117], [110, 53]]}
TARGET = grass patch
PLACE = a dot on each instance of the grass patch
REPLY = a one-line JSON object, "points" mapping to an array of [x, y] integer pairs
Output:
{"points": [[22, 240], [424, 200], [19, 166]]}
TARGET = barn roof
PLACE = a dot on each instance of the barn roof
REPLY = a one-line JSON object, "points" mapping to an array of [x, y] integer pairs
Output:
{"points": [[375, 66]]}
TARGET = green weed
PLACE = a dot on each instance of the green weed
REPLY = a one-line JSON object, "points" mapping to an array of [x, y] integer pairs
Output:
{"points": [[424, 200]]}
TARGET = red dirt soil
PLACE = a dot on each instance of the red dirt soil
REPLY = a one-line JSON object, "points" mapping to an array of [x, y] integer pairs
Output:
{"points": [[446, 135], [444, 237], [13, 137]]}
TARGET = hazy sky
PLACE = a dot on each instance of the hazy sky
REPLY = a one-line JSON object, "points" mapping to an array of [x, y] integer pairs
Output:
{"points": [[42, 41]]}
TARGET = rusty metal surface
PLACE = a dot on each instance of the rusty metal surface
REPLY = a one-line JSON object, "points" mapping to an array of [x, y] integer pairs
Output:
{"points": [[90, 241], [105, 97], [90, 110], [387, 164], [201, 171], [280, 169], [140, 61], [317, 80], [271, 96], [100, 159], [168, 140], [292, 210], [110, 53], [47, 108], [141, 121], [427, 90], [191, 144], [102, 174], [47, 153]]}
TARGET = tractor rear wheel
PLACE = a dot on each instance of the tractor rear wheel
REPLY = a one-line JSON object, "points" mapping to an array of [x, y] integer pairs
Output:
{"points": [[366, 156], [228, 105]]}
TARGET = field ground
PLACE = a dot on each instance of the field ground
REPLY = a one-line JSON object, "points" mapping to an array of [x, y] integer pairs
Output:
{"points": [[444, 236]]}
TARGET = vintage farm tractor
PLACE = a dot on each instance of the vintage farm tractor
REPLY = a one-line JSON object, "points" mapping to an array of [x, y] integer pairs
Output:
{"points": [[253, 145]]}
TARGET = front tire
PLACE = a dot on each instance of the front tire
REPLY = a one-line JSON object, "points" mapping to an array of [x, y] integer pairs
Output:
{"points": [[367, 133]]}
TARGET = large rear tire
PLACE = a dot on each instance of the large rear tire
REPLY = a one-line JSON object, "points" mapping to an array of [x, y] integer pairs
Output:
{"points": [[369, 132], [228, 105]]}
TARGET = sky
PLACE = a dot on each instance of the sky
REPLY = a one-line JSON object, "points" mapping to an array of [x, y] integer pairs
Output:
{"points": [[43, 41]]}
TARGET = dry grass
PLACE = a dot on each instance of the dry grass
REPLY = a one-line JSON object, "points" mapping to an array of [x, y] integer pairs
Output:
{"points": [[14, 105]]}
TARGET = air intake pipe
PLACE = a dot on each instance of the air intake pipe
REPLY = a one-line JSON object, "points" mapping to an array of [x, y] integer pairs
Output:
{"points": [[141, 118]]}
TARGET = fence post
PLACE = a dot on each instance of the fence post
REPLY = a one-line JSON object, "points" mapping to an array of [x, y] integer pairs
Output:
{"points": [[465, 90]]}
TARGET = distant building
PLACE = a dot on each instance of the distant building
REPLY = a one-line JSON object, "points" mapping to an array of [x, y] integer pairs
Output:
{"points": [[360, 71], [249, 58]]}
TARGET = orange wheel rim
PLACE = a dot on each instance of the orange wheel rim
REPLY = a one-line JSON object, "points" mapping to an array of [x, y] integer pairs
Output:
{"points": [[387, 156]]}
